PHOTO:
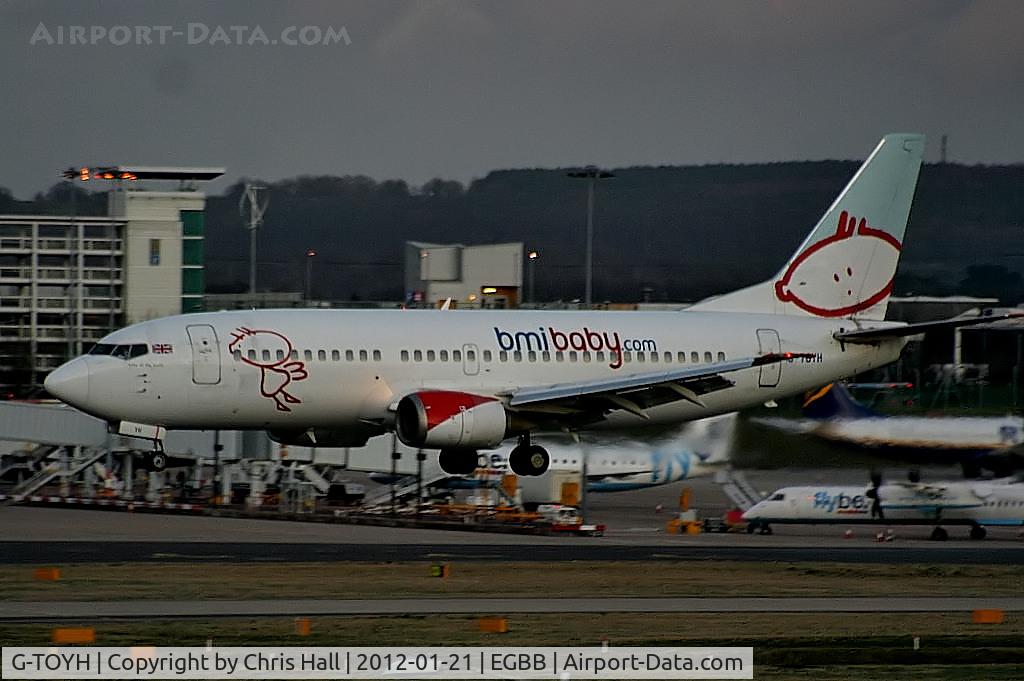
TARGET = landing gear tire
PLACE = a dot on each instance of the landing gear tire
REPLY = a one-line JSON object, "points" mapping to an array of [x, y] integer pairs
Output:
{"points": [[978, 532], [529, 460], [156, 461], [939, 534], [458, 461]]}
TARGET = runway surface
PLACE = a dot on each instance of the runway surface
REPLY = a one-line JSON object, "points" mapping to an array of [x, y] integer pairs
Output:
{"points": [[14, 611], [596, 550]]}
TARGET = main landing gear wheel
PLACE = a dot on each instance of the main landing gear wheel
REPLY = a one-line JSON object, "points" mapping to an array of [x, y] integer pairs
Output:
{"points": [[458, 461], [939, 534], [978, 532], [528, 459]]}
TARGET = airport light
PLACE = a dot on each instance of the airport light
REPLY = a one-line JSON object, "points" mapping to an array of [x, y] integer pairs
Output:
{"points": [[257, 207], [592, 174], [531, 264], [310, 254]]}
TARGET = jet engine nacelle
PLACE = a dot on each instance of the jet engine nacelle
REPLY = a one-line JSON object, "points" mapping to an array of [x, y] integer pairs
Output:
{"points": [[445, 419]]}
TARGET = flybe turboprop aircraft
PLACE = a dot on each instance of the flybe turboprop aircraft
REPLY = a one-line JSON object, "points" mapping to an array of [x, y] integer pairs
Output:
{"points": [[460, 381], [976, 503]]}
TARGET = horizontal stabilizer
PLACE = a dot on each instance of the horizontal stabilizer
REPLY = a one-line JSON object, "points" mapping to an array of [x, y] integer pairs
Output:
{"points": [[874, 335]]}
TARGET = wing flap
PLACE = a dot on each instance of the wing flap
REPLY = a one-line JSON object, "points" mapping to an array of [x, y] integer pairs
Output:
{"points": [[636, 392]]}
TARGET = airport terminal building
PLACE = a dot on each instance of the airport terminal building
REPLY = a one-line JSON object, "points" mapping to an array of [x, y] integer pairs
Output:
{"points": [[67, 280]]}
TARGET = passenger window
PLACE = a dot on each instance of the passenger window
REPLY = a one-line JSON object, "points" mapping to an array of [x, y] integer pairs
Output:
{"points": [[503, 356], [430, 356], [456, 355], [721, 356], [280, 354], [545, 356], [405, 355], [350, 356], [654, 357], [376, 355], [471, 355], [627, 357], [417, 355], [572, 356], [308, 354], [707, 357], [322, 355], [335, 356], [681, 356], [586, 355], [237, 354], [266, 355], [362, 355], [251, 354], [487, 355], [532, 356], [668, 356], [641, 357], [443, 355], [695, 357], [559, 356], [294, 354], [517, 356]]}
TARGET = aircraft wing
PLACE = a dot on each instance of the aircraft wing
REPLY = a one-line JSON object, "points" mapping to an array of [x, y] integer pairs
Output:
{"points": [[636, 392], [873, 335]]}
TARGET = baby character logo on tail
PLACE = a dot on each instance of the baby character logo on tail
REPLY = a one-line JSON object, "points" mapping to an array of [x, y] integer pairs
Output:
{"points": [[276, 373], [847, 272]]}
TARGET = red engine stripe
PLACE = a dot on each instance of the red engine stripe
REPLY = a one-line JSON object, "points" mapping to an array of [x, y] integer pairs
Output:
{"points": [[441, 405]]}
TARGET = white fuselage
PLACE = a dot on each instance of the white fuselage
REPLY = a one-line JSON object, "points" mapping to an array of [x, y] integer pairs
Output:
{"points": [[975, 433], [985, 503], [303, 369]]}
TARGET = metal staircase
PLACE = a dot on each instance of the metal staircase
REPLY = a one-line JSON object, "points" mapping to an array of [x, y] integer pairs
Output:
{"points": [[406, 487], [83, 457], [739, 490]]}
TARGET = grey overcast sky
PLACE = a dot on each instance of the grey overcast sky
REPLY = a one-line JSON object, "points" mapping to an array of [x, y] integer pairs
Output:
{"points": [[455, 89]]}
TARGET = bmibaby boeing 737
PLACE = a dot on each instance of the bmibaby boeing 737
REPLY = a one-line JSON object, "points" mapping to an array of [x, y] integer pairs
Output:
{"points": [[460, 381]]}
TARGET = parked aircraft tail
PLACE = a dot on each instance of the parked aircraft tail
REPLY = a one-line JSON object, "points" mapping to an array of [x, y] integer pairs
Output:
{"points": [[845, 267], [834, 401]]}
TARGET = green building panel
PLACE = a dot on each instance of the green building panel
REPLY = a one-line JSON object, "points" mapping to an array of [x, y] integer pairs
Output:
{"points": [[193, 222], [192, 282], [191, 305], [192, 252]]}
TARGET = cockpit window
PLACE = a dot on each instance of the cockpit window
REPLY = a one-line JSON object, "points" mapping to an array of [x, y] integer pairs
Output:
{"points": [[779, 496], [120, 351]]}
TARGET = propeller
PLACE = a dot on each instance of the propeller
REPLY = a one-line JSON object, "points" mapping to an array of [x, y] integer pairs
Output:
{"points": [[873, 494]]}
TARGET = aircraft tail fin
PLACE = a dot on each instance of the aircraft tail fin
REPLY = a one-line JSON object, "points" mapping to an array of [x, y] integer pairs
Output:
{"points": [[846, 265], [834, 401], [711, 439]]}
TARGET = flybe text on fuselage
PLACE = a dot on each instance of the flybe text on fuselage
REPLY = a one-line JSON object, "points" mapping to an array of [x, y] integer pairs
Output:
{"points": [[548, 338], [842, 503]]}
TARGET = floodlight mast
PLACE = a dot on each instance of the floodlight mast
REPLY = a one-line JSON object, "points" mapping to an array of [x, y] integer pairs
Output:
{"points": [[257, 207], [592, 174]]}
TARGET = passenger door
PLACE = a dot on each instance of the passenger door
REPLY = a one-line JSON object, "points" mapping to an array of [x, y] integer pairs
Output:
{"points": [[205, 354]]}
